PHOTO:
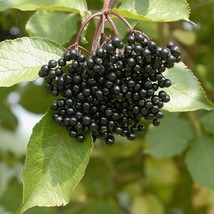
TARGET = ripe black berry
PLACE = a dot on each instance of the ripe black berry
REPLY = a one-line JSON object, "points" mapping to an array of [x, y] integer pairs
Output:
{"points": [[113, 90]]}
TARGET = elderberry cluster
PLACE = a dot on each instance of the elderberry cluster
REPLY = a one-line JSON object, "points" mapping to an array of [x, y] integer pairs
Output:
{"points": [[113, 90]]}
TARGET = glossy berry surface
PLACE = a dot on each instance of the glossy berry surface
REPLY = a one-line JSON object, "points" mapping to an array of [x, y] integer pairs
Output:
{"points": [[114, 90]]}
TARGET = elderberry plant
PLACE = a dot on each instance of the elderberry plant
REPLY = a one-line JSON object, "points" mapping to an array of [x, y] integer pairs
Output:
{"points": [[115, 88], [115, 85]]}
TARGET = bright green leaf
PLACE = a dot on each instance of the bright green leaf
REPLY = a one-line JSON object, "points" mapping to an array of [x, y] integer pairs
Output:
{"points": [[55, 164], [175, 135], [21, 59], [48, 23], [153, 10], [200, 161], [208, 122], [69, 5], [186, 92]]}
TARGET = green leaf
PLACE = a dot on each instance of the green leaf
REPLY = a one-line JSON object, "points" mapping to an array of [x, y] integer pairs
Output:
{"points": [[102, 207], [21, 59], [171, 142], [200, 161], [97, 168], [161, 173], [6, 175], [48, 23], [123, 148], [208, 122], [185, 37], [7, 118], [55, 164], [155, 11], [186, 92], [33, 103], [147, 204], [72, 5]]}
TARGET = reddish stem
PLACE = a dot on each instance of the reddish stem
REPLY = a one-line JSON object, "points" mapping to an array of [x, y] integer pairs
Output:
{"points": [[106, 5], [83, 26], [98, 33], [112, 25], [78, 46], [97, 30], [122, 18]]}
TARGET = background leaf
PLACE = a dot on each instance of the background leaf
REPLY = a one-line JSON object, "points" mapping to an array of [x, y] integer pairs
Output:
{"points": [[186, 92], [147, 204], [48, 23], [33, 103], [8, 119], [71, 5], [200, 161], [208, 122], [175, 135], [54, 165], [153, 10], [21, 59], [102, 207]]}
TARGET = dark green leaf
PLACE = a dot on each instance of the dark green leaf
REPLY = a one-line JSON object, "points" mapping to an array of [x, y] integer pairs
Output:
{"points": [[186, 92], [200, 161], [48, 23], [102, 207], [7, 118], [33, 103], [153, 10], [171, 138], [21, 59], [54, 165], [97, 168]]}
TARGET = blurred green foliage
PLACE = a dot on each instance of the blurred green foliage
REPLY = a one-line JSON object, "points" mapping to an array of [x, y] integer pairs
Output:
{"points": [[125, 178]]}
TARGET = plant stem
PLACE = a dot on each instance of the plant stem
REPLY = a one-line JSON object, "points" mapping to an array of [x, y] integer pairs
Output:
{"points": [[161, 33], [112, 25], [83, 26], [194, 118], [78, 46], [96, 33], [123, 19], [106, 5]]}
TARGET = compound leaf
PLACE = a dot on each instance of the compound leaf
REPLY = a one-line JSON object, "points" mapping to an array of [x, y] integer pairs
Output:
{"points": [[55, 163], [21, 59], [153, 10], [200, 160], [186, 92]]}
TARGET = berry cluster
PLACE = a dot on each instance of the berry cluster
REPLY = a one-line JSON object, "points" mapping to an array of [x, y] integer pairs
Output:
{"points": [[111, 91]]}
